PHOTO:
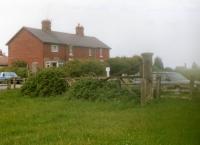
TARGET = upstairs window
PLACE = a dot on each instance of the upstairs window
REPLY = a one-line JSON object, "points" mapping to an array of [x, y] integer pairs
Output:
{"points": [[54, 48]]}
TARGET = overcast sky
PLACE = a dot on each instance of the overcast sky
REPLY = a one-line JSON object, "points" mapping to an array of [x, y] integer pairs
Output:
{"points": [[168, 28]]}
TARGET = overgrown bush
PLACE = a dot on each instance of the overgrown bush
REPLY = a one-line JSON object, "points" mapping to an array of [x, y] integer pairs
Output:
{"points": [[92, 89], [19, 63], [79, 68], [47, 82], [124, 65]]}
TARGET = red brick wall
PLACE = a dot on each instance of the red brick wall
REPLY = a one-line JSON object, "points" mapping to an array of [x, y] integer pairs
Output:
{"points": [[83, 53], [28, 48], [62, 53], [25, 47]]}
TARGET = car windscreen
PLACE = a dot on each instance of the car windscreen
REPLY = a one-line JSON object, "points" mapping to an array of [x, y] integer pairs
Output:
{"points": [[10, 74], [176, 77]]}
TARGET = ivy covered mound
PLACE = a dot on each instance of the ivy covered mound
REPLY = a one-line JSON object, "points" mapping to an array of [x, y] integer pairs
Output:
{"points": [[47, 82], [100, 90]]}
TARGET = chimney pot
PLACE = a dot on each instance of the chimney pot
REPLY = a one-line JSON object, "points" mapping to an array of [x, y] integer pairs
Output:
{"points": [[79, 30]]}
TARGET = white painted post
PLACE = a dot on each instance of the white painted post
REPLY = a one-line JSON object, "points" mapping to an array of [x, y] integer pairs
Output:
{"points": [[108, 71]]}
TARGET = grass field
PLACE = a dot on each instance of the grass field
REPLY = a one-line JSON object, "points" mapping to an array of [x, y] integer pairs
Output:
{"points": [[58, 121]]}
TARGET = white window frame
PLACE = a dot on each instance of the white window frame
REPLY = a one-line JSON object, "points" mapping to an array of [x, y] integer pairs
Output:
{"points": [[54, 48], [71, 51], [60, 64], [101, 52], [49, 64], [90, 51]]}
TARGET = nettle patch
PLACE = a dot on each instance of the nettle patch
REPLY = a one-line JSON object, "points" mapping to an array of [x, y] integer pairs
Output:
{"points": [[47, 82], [99, 90]]}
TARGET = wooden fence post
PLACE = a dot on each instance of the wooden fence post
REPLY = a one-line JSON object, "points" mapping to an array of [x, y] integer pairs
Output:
{"points": [[9, 84], [14, 83], [24, 80], [158, 86], [142, 92], [192, 86], [147, 82]]}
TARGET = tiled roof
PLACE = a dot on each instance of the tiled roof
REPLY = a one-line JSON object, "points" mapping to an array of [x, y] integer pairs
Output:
{"points": [[66, 38]]}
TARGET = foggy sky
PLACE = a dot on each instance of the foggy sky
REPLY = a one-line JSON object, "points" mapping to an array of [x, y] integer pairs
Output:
{"points": [[169, 28]]}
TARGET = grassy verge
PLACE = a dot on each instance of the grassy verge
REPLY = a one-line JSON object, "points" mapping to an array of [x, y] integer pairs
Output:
{"points": [[58, 121]]}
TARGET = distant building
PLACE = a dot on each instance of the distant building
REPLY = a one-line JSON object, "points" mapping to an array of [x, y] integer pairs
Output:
{"points": [[3, 59], [46, 48]]}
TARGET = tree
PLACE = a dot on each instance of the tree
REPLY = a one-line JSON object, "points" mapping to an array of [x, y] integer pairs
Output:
{"points": [[194, 65], [47, 82], [158, 64], [78, 68], [169, 69], [124, 65]]}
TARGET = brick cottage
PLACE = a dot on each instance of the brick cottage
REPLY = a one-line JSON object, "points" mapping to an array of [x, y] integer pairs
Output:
{"points": [[46, 48]]}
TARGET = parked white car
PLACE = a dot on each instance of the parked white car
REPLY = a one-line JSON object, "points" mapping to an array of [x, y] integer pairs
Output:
{"points": [[9, 75], [170, 80]]}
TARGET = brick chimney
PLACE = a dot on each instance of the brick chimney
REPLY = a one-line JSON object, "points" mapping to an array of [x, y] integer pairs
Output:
{"points": [[79, 30], [46, 25]]}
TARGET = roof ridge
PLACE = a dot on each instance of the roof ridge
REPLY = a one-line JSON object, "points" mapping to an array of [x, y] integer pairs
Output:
{"points": [[67, 38], [60, 32]]}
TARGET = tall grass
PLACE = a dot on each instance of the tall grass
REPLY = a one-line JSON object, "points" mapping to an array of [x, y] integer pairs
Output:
{"points": [[58, 121]]}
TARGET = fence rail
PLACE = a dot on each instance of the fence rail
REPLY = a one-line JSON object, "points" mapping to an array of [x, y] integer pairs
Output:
{"points": [[11, 83], [124, 81]]}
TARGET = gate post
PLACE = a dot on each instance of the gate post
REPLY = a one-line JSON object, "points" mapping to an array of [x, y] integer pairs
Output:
{"points": [[14, 83], [147, 80], [9, 84]]}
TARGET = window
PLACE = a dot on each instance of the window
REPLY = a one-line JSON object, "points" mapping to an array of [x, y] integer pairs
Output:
{"points": [[54, 48], [51, 64], [70, 51], [90, 52], [60, 64], [47, 64], [101, 52], [54, 64]]}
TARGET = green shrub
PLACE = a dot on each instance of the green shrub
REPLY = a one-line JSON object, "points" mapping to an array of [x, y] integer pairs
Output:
{"points": [[21, 71], [79, 68], [47, 82], [19, 63], [124, 65], [92, 89]]}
